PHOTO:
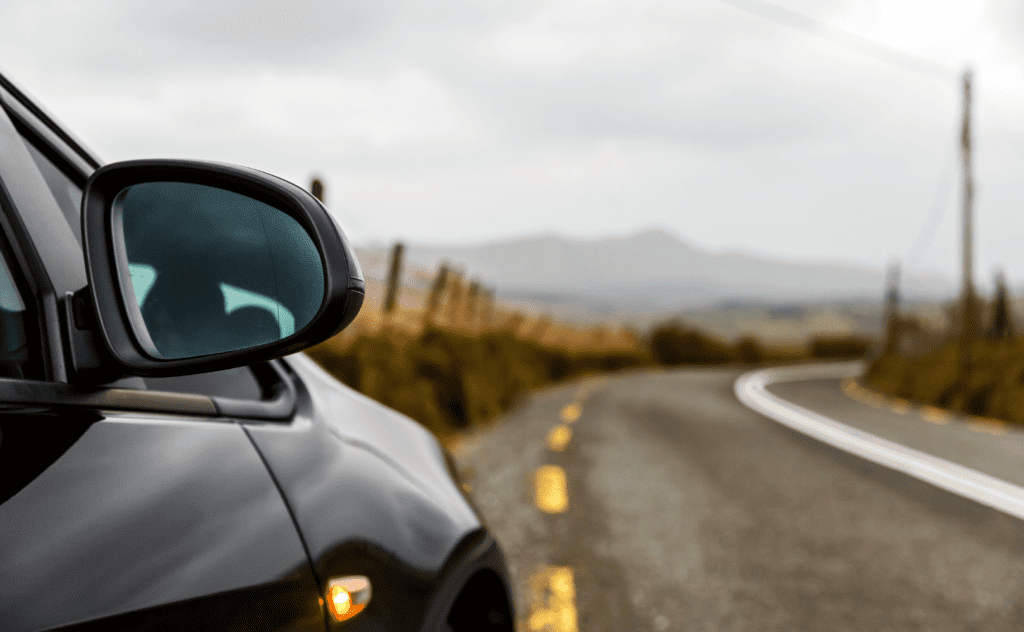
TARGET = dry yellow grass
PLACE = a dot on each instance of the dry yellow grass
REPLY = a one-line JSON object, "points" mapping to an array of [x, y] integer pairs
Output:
{"points": [[451, 357], [995, 388]]}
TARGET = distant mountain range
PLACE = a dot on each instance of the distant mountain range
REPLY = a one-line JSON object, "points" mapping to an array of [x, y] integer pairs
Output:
{"points": [[656, 272]]}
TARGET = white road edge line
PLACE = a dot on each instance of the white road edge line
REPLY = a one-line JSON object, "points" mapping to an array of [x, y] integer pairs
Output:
{"points": [[751, 389]]}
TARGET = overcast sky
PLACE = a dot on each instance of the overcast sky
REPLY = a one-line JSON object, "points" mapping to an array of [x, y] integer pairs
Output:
{"points": [[734, 125]]}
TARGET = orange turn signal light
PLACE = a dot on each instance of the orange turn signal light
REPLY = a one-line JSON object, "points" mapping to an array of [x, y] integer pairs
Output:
{"points": [[347, 596]]}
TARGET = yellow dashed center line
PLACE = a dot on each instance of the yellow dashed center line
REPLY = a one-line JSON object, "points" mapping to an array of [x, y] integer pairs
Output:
{"points": [[554, 589], [554, 598], [900, 407], [571, 412], [559, 437], [934, 415], [990, 426], [931, 414], [863, 395], [895, 404], [551, 494]]}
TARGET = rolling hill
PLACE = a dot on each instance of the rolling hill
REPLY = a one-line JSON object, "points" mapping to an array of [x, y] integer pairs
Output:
{"points": [[653, 271]]}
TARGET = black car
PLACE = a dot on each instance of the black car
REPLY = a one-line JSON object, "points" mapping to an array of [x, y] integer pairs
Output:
{"points": [[163, 465]]}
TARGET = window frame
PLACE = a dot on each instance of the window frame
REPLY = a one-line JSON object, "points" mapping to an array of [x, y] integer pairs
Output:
{"points": [[24, 258]]}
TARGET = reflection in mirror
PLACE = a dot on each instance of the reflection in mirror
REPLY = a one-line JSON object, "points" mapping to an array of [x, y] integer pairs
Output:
{"points": [[204, 270]]}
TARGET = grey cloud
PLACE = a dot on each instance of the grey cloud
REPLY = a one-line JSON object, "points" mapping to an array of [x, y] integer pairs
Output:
{"points": [[693, 92], [264, 30], [725, 82], [688, 109], [1008, 17], [145, 40], [685, 98]]}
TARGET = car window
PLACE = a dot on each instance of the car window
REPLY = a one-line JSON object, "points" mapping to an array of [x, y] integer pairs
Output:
{"points": [[65, 191], [18, 354]]}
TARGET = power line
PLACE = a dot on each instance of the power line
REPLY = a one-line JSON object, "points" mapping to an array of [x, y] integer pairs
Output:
{"points": [[939, 206], [880, 52], [867, 46], [894, 57]]}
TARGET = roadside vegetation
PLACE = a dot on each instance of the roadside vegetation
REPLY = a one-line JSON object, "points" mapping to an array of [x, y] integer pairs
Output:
{"points": [[973, 365], [455, 358], [994, 388]]}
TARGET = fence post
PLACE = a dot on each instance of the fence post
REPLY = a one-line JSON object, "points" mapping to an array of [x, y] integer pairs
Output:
{"points": [[1002, 319], [455, 298], [470, 312], [316, 187], [394, 278], [437, 289], [486, 309]]}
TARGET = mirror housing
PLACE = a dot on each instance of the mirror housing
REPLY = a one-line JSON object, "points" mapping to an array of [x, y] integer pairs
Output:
{"points": [[106, 311]]}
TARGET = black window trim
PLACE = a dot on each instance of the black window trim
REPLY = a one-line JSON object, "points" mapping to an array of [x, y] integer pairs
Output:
{"points": [[48, 145], [279, 403], [29, 273], [41, 130], [46, 126]]}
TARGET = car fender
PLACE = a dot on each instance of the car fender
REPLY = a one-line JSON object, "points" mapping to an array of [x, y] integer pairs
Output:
{"points": [[372, 494]]}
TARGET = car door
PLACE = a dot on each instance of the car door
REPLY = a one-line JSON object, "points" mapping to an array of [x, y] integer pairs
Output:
{"points": [[121, 507]]}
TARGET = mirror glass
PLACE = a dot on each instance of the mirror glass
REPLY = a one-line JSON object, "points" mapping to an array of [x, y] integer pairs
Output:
{"points": [[204, 270]]}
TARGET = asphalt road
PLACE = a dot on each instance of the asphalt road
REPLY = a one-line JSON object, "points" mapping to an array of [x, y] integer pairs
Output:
{"points": [[657, 501]]}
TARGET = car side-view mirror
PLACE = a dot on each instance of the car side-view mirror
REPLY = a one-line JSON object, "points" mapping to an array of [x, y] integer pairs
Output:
{"points": [[199, 266]]}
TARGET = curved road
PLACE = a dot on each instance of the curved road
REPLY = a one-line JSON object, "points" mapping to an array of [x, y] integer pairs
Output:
{"points": [[657, 501]]}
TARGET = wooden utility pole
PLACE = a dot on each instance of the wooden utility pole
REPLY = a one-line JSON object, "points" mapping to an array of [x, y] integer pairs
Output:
{"points": [[892, 310], [969, 315]]}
